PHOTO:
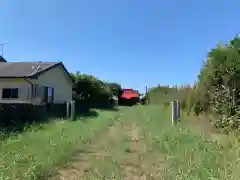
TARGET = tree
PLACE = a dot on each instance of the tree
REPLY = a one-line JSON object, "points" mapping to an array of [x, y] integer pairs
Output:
{"points": [[93, 91], [116, 88], [218, 83]]}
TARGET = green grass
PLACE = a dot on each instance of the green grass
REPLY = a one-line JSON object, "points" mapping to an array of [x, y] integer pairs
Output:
{"points": [[36, 152], [189, 154], [185, 152]]}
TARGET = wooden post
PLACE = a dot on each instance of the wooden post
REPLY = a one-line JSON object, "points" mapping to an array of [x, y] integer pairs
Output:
{"points": [[174, 112], [178, 110], [68, 109], [73, 113]]}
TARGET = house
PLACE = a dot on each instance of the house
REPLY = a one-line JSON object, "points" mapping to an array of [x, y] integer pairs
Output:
{"points": [[34, 82], [2, 59]]}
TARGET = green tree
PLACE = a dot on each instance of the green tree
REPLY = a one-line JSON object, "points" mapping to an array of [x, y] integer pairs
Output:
{"points": [[218, 83], [92, 91], [116, 88]]}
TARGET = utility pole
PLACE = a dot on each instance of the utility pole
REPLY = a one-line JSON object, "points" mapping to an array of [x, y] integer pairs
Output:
{"points": [[2, 45]]}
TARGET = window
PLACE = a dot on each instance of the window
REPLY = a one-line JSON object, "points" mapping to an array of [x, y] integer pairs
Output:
{"points": [[48, 94], [9, 93]]}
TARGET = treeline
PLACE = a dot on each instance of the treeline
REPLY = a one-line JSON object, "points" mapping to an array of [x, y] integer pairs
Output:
{"points": [[93, 92], [164, 94], [217, 90]]}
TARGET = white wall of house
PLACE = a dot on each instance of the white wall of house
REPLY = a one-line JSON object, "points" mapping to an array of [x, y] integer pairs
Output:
{"points": [[55, 78], [24, 88], [58, 79]]}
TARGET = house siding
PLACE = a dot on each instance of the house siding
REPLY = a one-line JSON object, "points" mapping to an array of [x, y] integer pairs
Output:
{"points": [[23, 86], [58, 79]]}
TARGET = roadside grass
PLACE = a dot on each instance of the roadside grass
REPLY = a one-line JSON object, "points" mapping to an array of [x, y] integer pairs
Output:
{"points": [[188, 154], [35, 153], [108, 166], [182, 152]]}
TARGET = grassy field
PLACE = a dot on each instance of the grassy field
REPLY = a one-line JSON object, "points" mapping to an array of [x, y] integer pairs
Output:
{"points": [[132, 143], [190, 150], [35, 152]]}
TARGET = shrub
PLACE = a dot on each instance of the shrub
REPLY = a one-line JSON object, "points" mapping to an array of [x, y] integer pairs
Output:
{"points": [[217, 90], [218, 85], [94, 92]]}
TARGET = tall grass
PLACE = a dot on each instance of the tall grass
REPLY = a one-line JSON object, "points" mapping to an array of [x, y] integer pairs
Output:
{"points": [[34, 153], [188, 154]]}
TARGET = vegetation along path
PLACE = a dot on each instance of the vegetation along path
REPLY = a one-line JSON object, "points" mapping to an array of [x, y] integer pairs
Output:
{"points": [[142, 144], [133, 143], [120, 152]]}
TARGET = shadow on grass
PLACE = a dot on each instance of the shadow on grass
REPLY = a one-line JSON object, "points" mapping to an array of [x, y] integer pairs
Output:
{"points": [[103, 106], [85, 114], [127, 104], [14, 128], [109, 108], [17, 126]]}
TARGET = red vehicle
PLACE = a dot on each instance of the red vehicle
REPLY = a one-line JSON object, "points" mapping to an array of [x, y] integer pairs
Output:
{"points": [[129, 96]]}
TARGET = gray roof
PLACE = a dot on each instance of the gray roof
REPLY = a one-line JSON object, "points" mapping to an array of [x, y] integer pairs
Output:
{"points": [[24, 69], [2, 59]]}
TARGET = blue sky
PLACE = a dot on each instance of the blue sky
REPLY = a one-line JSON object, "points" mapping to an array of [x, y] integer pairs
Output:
{"points": [[166, 41]]}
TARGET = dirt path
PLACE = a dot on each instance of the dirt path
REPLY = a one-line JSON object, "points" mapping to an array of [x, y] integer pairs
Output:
{"points": [[121, 152], [140, 161], [88, 163]]}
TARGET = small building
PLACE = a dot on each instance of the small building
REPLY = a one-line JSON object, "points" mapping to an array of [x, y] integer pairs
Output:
{"points": [[129, 96], [34, 82]]}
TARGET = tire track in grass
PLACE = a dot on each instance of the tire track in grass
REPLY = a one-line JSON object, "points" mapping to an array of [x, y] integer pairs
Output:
{"points": [[99, 160], [122, 152], [140, 161]]}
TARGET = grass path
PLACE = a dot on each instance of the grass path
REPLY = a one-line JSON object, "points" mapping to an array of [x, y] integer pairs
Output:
{"points": [[135, 143], [142, 144], [98, 159], [140, 161], [36, 152], [188, 154], [121, 152]]}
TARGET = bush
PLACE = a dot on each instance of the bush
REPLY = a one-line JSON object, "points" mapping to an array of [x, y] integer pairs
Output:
{"points": [[218, 85], [93, 92], [217, 90]]}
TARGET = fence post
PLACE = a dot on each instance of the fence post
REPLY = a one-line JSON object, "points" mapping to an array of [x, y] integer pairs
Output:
{"points": [[174, 112], [68, 110], [73, 113], [178, 110]]}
